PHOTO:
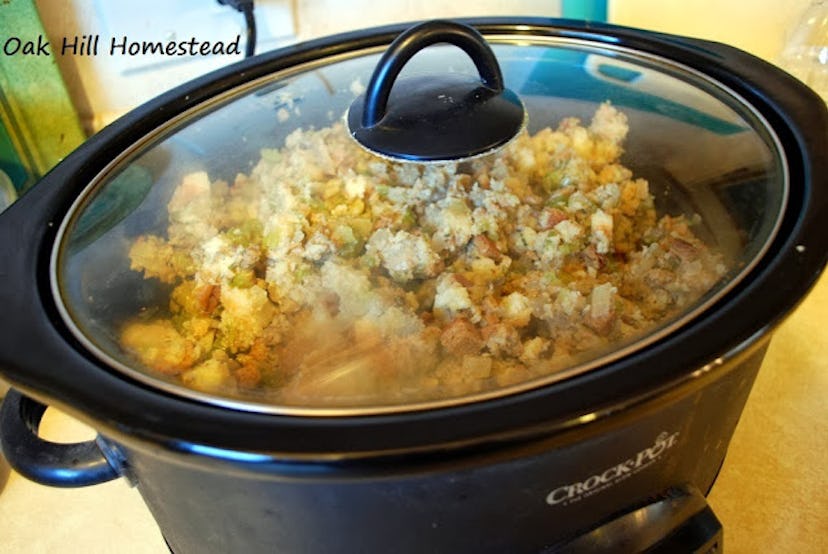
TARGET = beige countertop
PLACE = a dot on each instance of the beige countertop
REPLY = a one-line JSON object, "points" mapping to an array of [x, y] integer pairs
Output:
{"points": [[772, 493], [770, 496]]}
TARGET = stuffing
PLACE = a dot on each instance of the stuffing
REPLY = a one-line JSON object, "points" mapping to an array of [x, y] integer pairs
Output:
{"points": [[404, 255], [245, 313], [451, 296], [158, 259], [157, 344], [326, 276], [601, 225], [209, 376]]}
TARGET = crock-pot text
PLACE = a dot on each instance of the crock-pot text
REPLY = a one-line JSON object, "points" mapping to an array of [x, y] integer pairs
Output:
{"points": [[612, 475]]}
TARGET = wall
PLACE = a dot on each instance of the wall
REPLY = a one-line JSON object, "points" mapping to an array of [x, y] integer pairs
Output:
{"points": [[757, 26], [104, 87], [324, 17]]}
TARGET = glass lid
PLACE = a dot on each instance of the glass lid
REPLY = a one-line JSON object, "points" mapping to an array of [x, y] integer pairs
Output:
{"points": [[252, 254]]}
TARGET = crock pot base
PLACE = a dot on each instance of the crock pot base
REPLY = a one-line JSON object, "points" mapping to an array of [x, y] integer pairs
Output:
{"points": [[680, 521]]}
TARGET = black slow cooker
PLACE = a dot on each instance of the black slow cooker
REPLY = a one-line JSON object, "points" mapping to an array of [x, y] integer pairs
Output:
{"points": [[599, 431]]}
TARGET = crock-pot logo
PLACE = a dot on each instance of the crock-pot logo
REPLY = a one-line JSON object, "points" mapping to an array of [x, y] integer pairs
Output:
{"points": [[593, 484]]}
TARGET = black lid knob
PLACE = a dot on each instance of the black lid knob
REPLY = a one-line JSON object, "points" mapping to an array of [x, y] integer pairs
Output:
{"points": [[436, 117]]}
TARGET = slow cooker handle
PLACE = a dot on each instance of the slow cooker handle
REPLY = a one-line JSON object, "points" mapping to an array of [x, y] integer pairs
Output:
{"points": [[437, 117], [414, 40], [48, 463]]}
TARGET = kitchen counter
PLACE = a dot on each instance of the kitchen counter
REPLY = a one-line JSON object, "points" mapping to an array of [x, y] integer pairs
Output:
{"points": [[770, 494]]}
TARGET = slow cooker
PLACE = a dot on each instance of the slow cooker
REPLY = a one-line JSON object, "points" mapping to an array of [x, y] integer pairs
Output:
{"points": [[574, 408]]}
